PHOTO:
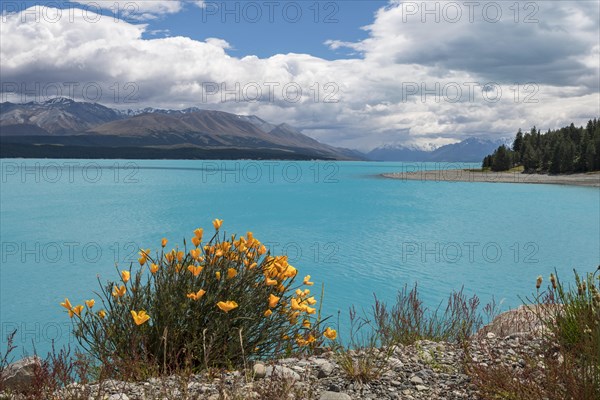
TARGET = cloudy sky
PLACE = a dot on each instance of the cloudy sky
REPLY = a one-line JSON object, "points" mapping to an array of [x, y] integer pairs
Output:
{"points": [[357, 74]]}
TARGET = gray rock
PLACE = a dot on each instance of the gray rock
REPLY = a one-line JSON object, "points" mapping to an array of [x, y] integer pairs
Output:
{"points": [[118, 396], [20, 374], [416, 380], [333, 388], [334, 396], [325, 369], [283, 372], [395, 363], [259, 370], [426, 357], [421, 388]]}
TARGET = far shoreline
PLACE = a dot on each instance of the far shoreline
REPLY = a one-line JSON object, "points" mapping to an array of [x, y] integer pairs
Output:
{"points": [[464, 175]]}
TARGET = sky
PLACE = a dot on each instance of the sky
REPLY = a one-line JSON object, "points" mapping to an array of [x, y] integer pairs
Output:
{"points": [[357, 74]]}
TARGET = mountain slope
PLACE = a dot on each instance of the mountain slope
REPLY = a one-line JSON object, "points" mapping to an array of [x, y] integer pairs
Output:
{"points": [[56, 116], [62, 122], [469, 150]]}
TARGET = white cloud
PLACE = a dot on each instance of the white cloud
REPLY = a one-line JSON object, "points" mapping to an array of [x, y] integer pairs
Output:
{"points": [[137, 9], [382, 97]]}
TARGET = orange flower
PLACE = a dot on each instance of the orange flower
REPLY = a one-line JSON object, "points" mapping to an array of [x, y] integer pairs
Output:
{"points": [[231, 273], [306, 323], [268, 313], [179, 256], [140, 317], [169, 257], [90, 303], [76, 310], [153, 268], [217, 223], [102, 313], [307, 281], [273, 300], [119, 291], [330, 334], [198, 233], [296, 306], [290, 272], [262, 250], [195, 270], [196, 296], [227, 306], [270, 282], [125, 275], [143, 256], [311, 301], [196, 241], [218, 275], [164, 242], [310, 310], [67, 304]]}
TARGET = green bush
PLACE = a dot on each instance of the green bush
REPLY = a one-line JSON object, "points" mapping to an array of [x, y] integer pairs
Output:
{"points": [[217, 304]]}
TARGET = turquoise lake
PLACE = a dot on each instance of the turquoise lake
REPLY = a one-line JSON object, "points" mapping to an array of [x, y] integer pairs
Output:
{"points": [[63, 222]]}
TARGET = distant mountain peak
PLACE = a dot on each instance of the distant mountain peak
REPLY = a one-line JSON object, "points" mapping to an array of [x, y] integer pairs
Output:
{"points": [[152, 110], [471, 149], [58, 101]]}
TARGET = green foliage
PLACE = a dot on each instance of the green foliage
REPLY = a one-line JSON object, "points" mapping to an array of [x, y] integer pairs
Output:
{"points": [[501, 159], [561, 151], [216, 305]]}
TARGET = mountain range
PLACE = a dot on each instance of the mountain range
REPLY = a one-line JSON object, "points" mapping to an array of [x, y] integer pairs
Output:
{"points": [[469, 150], [65, 128]]}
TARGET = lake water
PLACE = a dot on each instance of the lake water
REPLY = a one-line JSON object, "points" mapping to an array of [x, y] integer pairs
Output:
{"points": [[63, 222]]}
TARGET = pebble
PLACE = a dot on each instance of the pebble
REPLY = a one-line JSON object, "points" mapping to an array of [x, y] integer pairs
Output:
{"points": [[259, 370], [334, 396]]}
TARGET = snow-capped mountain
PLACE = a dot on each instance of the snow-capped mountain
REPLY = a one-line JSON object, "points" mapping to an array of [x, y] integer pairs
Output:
{"points": [[69, 126], [469, 150]]}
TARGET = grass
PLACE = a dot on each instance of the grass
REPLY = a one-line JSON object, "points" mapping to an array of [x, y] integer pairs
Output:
{"points": [[518, 168], [408, 320], [374, 336], [568, 364], [361, 359]]}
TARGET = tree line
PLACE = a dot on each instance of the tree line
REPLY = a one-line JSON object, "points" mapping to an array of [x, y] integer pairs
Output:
{"points": [[561, 151]]}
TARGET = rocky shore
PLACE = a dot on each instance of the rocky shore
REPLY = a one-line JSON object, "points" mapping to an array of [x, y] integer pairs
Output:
{"points": [[423, 370], [462, 175]]}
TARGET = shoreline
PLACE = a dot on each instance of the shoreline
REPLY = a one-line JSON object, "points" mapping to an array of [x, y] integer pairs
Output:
{"points": [[462, 175]]}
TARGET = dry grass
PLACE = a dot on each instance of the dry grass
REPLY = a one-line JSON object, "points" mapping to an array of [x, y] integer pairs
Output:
{"points": [[567, 367]]}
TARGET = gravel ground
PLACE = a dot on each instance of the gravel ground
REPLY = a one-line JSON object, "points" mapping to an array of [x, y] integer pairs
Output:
{"points": [[461, 175]]}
